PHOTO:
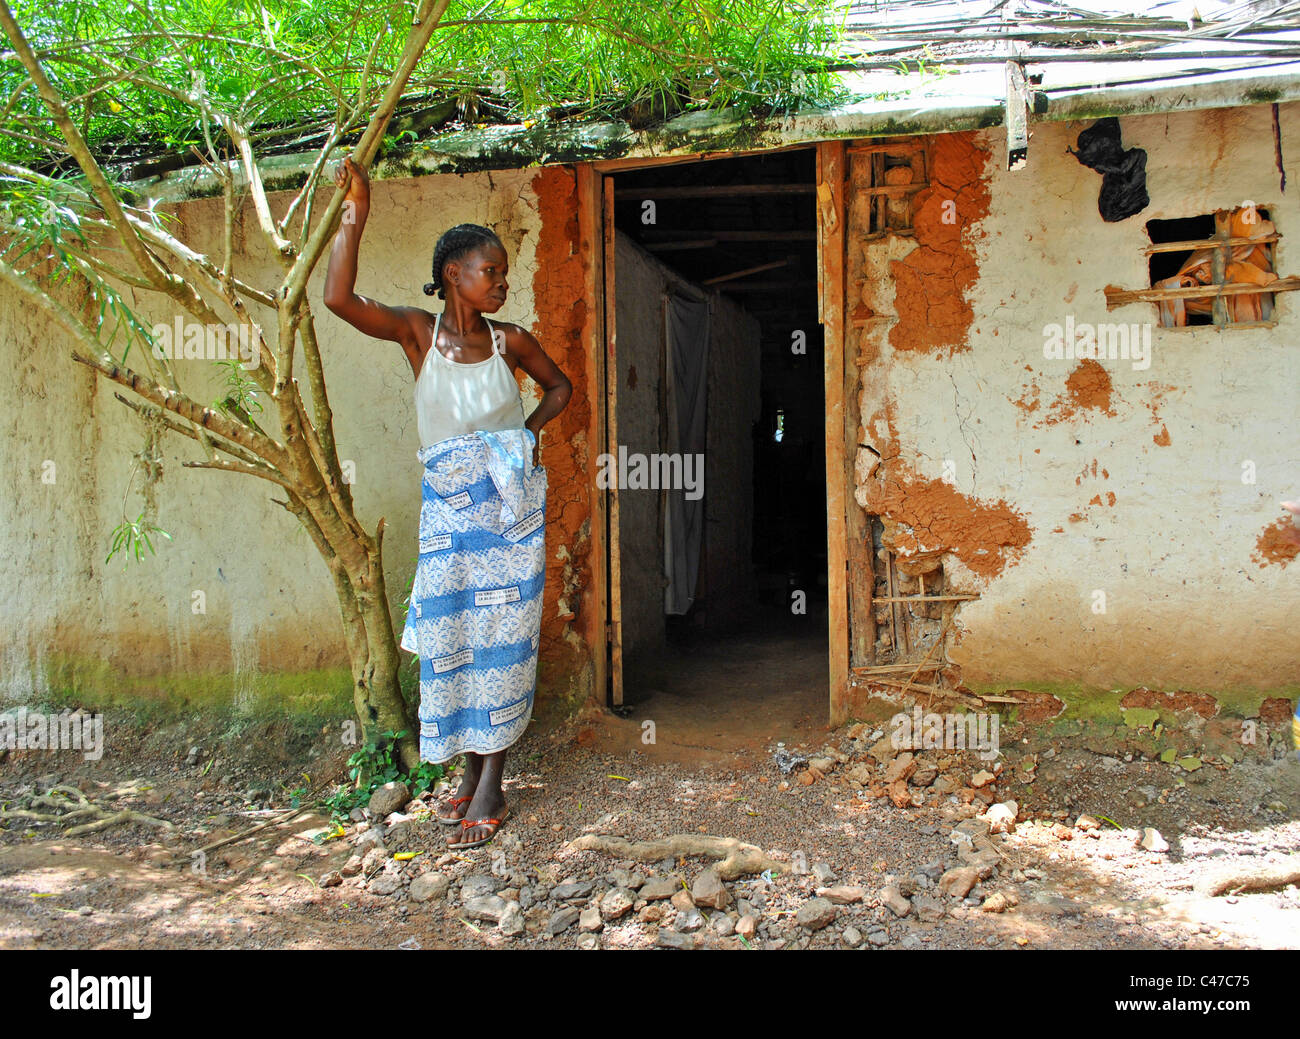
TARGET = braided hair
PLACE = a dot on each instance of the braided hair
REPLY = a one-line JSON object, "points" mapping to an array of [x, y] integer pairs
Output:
{"points": [[455, 243]]}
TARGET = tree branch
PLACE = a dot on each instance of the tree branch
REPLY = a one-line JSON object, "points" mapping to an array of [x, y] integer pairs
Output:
{"points": [[230, 449], [76, 145], [237, 466], [258, 443], [323, 414], [283, 247], [428, 13]]}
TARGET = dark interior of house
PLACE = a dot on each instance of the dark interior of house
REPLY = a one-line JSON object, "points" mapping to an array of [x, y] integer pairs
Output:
{"points": [[746, 227]]}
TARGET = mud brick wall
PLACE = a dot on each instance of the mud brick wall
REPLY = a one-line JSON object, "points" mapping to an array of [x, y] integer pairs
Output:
{"points": [[1118, 525], [271, 628]]}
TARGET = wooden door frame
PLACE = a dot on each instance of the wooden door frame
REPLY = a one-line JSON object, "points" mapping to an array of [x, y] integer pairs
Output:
{"points": [[609, 404], [596, 238], [596, 235], [591, 238], [832, 217]]}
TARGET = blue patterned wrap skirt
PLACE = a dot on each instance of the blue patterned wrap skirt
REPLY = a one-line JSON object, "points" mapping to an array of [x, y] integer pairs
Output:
{"points": [[475, 615]]}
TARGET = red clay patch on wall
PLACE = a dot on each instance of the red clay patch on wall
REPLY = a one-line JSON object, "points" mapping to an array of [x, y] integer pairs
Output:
{"points": [[1037, 708], [1276, 711], [931, 282], [1028, 401], [1087, 389], [1274, 544], [1158, 392], [922, 515], [1153, 699], [559, 294], [930, 515]]}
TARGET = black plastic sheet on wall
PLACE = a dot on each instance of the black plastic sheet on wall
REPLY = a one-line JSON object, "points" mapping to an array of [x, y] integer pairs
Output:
{"points": [[1123, 172]]}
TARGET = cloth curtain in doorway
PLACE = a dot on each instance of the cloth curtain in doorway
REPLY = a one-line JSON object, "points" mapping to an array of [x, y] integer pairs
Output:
{"points": [[687, 327]]}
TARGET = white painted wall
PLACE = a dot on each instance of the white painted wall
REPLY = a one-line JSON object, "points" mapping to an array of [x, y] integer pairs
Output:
{"points": [[269, 599], [1185, 604]]}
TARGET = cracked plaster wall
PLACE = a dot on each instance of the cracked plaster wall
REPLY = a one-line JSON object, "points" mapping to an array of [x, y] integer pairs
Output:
{"points": [[1044, 482], [270, 603]]}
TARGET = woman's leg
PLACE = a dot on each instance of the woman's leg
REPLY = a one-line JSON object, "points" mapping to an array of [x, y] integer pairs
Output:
{"points": [[469, 782], [488, 798]]}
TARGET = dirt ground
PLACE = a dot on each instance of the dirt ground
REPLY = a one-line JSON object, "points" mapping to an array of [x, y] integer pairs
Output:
{"points": [[1058, 885]]}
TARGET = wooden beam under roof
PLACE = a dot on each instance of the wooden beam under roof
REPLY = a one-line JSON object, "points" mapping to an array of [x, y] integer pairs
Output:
{"points": [[732, 236], [667, 247], [708, 190], [747, 271], [769, 286]]}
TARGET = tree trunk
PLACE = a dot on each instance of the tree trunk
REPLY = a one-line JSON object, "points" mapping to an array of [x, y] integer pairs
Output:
{"points": [[375, 690], [378, 697], [374, 653]]}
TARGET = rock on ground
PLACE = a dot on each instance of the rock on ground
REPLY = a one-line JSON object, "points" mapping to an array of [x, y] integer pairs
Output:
{"points": [[709, 891], [428, 886], [1152, 841], [815, 914], [958, 881], [389, 798]]}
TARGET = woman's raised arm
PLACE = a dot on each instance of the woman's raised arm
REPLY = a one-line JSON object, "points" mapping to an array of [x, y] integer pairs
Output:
{"points": [[397, 324]]}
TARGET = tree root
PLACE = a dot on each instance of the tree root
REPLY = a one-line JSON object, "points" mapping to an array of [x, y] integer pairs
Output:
{"points": [[736, 858], [117, 819], [1266, 878], [67, 805]]}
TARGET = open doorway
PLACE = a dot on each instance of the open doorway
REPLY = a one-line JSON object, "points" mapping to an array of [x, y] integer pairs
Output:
{"points": [[717, 571]]}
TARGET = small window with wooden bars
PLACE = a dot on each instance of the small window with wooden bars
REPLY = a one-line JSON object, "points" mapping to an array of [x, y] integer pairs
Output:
{"points": [[1218, 269], [886, 177]]}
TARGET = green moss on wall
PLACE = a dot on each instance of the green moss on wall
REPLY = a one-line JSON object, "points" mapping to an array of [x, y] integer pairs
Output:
{"points": [[1093, 703], [91, 683]]}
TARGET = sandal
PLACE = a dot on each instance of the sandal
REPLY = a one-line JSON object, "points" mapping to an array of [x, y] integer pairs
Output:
{"points": [[453, 820], [467, 824]]}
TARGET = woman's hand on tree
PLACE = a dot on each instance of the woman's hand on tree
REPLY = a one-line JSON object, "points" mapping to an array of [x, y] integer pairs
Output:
{"points": [[347, 174]]}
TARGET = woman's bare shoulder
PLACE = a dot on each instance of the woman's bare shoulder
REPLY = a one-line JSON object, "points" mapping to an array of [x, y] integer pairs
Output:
{"points": [[518, 338]]}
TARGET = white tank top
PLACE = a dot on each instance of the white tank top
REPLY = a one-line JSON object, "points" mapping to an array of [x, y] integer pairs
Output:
{"points": [[453, 398]]}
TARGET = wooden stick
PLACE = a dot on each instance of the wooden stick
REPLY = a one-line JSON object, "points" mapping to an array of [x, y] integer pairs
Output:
{"points": [[933, 646], [695, 243], [1206, 243], [1234, 324], [898, 146], [887, 669], [1219, 265], [892, 600], [247, 833], [795, 284], [905, 626], [1119, 297], [687, 233], [924, 598], [879, 203], [862, 322], [709, 190], [935, 690], [744, 273], [899, 232]]}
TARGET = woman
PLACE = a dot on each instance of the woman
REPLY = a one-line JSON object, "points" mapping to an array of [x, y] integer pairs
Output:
{"points": [[482, 522]]}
